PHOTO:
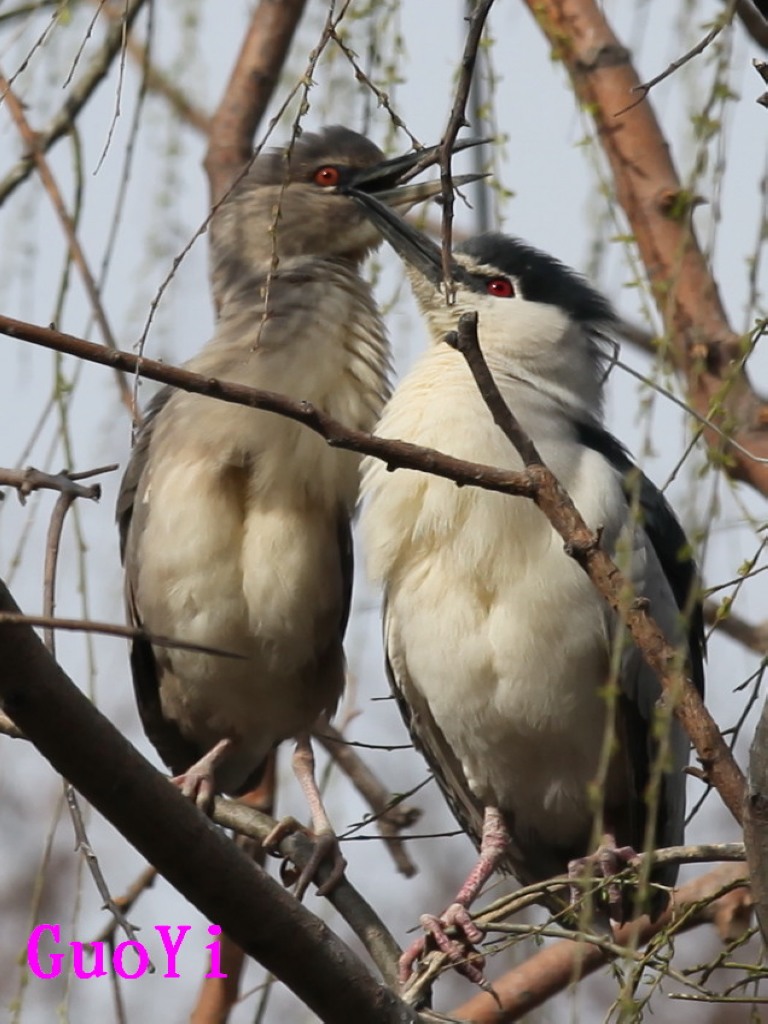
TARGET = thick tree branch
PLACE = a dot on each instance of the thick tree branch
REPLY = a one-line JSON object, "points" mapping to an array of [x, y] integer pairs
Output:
{"points": [[704, 348], [185, 847], [248, 91]]}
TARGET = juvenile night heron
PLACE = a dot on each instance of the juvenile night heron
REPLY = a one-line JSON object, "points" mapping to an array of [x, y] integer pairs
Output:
{"points": [[235, 523], [500, 650]]}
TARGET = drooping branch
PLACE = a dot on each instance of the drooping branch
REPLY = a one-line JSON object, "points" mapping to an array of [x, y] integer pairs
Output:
{"points": [[197, 859], [702, 345]]}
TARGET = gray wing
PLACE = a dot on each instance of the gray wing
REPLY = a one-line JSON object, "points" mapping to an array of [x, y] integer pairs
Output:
{"points": [[666, 574], [174, 748]]}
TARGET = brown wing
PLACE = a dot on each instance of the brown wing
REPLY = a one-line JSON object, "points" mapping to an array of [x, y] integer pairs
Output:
{"points": [[164, 735]]}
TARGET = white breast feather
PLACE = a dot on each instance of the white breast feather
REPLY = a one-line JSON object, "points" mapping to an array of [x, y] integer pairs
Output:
{"points": [[503, 633]]}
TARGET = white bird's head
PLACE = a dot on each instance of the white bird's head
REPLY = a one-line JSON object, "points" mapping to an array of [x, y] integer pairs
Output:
{"points": [[537, 319]]}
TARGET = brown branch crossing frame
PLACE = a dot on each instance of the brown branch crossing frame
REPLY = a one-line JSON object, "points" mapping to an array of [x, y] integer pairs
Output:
{"points": [[702, 344], [535, 482]]}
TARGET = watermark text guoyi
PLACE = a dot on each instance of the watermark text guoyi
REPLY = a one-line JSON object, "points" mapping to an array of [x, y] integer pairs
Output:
{"points": [[129, 960]]}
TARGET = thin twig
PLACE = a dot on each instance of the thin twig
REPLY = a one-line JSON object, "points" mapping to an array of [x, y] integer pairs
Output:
{"points": [[110, 629], [30, 138], [125, 902], [554, 968], [390, 820], [30, 479], [645, 87], [456, 121], [52, 547], [78, 96]]}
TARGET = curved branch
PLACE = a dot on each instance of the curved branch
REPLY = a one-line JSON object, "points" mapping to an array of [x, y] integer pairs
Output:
{"points": [[703, 347]]}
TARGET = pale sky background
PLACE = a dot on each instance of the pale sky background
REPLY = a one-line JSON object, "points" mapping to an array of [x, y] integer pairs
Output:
{"points": [[553, 169]]}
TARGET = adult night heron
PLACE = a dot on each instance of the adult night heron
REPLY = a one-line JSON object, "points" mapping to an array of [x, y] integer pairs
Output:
{"points": [[509, 666], [235, 523]]}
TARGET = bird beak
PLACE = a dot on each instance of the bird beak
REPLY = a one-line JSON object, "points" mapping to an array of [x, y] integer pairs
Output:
{"points": [[412, 245], [385, 179]]}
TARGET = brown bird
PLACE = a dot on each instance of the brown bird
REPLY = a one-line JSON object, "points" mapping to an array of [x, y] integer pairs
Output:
{"points": [[234, 522]]}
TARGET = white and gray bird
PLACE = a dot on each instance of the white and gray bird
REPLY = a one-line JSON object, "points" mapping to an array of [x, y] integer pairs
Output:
{"points": [[234, 522], [498, 646]]}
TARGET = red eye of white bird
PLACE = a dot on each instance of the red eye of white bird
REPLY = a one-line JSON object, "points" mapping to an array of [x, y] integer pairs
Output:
{"points": [[327, 176], [500, 288]]}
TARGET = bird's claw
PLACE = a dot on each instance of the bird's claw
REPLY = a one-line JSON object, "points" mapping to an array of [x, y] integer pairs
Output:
{"points": [[198, 785], [325, 849], [608, 860], [460, 951]]}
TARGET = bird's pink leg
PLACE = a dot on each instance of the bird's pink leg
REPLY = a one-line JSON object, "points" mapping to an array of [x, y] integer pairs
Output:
{"points": [[607, 860], [326, 843], [199, 782], [460, 951]]}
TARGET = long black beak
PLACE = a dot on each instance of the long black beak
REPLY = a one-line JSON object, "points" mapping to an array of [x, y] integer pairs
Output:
{"points": [[385, 179], [412, 245]]}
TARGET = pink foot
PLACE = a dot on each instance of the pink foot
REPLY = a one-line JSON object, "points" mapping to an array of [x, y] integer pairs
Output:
{"points": [[198, 782], [607, 860], [326, 849], [460, 951]]}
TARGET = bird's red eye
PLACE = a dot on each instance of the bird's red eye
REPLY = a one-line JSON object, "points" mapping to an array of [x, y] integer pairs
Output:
{"points": [[500, 288], [327, 176]]}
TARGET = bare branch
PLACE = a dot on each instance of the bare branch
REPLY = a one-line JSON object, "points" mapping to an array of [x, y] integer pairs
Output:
{"points": [[397, 454], [390, 820], [76, 251], [756, 820], [456, 121], [30, 479], [645, 87], [754, 23], [702, 345], [109, 629], [752, 635], [298, 847]]}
